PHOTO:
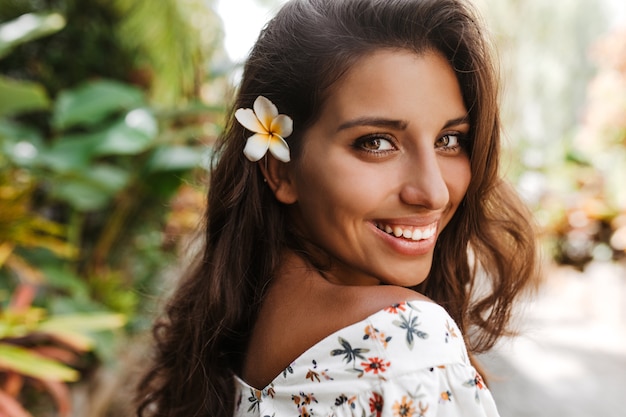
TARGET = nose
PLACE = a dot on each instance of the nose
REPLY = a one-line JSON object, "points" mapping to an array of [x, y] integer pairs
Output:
{"points": [[424, 183]]}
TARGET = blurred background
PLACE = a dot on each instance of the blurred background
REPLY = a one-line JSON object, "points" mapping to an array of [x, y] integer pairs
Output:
{"points": [[108, 110]]}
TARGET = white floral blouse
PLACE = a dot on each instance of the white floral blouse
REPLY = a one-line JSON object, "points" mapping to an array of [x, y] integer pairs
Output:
{"points": [[407, 360]]}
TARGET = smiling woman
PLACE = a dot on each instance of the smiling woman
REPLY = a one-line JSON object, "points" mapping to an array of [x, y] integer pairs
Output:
{"points": [[390, 130], [354, 206]]}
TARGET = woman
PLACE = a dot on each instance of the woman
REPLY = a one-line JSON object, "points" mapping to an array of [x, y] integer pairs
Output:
{"points": [[355, 238]]}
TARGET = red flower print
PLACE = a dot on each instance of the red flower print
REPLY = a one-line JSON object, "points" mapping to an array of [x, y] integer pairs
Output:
{"points": [[393, 309], [376, 404], [375, 365]]}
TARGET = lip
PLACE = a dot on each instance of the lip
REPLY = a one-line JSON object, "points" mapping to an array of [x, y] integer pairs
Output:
{"points": [[407, 246]]}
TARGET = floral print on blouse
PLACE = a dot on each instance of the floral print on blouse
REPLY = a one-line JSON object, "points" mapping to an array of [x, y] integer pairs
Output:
{"points": [[407, 360]]}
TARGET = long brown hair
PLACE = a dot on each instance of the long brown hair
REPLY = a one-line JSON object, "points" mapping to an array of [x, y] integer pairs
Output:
{"points": [[297, 58]]}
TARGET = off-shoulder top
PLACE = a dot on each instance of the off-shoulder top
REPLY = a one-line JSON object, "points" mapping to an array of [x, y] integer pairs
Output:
{"points": [[406, 360]]}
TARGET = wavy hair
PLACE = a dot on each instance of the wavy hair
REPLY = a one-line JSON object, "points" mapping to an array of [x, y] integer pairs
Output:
{"points": [[300, 54]]}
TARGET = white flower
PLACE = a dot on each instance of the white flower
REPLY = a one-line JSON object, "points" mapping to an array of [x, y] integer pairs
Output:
{"points": [[270, 130]]}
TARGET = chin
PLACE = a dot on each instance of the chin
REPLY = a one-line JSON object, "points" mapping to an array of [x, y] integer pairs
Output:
{"points": [[407, 281], [412, 279]]}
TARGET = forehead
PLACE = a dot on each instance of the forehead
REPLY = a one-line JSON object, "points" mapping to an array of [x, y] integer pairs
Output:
{"points": [[394, 82]]}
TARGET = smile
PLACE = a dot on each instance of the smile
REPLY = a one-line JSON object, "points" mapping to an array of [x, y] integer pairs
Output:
{"points": [[409, 232]]}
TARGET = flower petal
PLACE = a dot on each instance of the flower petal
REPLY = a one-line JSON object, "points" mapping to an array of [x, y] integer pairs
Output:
{"points": [[249, 120], [282, 125], [265, 111], [256, 147], [279, 148]]}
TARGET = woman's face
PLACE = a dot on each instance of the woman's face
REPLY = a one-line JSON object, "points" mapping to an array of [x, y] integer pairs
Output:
{"points": [[384, 168]]}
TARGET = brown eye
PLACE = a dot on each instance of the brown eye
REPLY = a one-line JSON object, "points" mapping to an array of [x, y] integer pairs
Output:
{"points": [[446, 140], [376, 144], [451, 142]]}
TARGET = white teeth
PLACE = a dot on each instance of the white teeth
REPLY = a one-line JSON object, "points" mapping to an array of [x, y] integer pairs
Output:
{"points": [[411, 233]]}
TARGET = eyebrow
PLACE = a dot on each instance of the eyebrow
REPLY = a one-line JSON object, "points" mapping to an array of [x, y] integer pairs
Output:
{"points": [[374, 121], [395, 124], [463, 120]]}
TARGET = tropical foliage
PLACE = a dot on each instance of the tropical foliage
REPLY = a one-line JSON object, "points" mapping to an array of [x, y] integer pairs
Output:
{"points": [[97, 154]]}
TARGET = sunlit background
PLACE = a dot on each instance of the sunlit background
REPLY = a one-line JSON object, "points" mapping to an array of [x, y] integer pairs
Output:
{"points": [[107, 115]]}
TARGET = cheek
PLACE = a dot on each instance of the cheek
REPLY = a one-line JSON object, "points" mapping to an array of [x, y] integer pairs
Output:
{"points": [[458, 179], [334, 192], [325, 191]]}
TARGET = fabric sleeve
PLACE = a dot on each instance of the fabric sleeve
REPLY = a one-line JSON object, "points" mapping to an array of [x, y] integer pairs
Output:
{"points": [[443, 391]]}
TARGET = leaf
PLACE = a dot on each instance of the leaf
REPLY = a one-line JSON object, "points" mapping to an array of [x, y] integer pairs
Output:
{"points": [[93, 102], [16, 322], [92, 189], [142, 120], [16, 132], [25, 362], [60, 278], [86, 322], [80, 194], [174, 158], [130, 136], [70, 153], [28, 27], [75, 340], [124, 139], [73, 329], [108, 178], [21, 96]]}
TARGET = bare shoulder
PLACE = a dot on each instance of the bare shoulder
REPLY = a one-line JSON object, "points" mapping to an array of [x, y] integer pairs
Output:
{"points": [[361, 302], [304, 309]]}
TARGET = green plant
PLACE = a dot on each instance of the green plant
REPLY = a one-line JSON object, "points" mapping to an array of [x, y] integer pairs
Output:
{"points": [[35, 347], [38, 349], [87, 172]]}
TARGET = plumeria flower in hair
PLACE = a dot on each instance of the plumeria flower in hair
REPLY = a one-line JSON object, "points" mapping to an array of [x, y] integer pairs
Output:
{"points": [[270, 130]]}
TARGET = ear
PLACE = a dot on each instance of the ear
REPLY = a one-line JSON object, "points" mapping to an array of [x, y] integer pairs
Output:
{"points": [[279, 178]]}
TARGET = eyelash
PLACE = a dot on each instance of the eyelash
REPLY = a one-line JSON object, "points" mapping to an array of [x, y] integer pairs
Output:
{"points": [[360, 143], [461, 142]]}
